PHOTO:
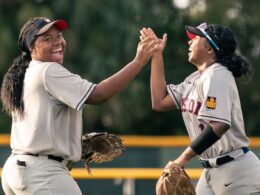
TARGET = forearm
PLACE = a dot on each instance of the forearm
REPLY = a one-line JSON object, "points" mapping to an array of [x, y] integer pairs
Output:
{"points": [[185, 156], [157, 80], [210, 135], [115, 83]]}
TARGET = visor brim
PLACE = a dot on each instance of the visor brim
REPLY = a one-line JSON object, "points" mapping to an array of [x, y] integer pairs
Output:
{"points": [[60, 24], [192, 32]]}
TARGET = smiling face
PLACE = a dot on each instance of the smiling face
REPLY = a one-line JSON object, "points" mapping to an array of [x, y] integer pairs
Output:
{"points": [[49, 47]]}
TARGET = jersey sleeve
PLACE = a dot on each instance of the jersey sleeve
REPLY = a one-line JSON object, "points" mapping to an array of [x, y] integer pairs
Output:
{"points": [[176, 91], [67, 87], [217, 96]]}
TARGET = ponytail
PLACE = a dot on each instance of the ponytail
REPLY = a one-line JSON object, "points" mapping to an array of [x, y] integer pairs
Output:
{"points": [[226, 55], [12, 86], [238, 65]]}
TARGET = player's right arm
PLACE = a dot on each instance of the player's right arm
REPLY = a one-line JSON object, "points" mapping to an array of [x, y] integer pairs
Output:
{"points": [[161, 100]]}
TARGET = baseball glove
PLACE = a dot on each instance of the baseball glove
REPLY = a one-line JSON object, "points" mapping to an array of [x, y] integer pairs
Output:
{"points": [[174, 181], [100, 147]]}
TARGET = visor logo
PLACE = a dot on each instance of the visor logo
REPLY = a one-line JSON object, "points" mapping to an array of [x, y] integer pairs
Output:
{"points": [[47, 20]]}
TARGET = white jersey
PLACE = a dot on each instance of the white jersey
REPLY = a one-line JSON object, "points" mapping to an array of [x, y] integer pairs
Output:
{"points": [[211, 96], [53, 99]]}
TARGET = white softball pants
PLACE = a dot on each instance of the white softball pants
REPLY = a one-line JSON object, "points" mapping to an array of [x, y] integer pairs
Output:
{"points": [[37, 175], [238, 177]]}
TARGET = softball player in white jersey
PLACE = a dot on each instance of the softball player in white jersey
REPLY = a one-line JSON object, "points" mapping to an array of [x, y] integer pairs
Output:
{"points": [[45, 101], [210, 105]]}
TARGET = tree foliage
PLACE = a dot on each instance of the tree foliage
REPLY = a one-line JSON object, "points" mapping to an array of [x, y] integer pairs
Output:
{"points": [[103, 36]]}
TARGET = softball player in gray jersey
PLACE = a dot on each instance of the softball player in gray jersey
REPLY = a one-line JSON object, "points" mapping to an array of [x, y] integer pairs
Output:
{"points": [[210, 105], [45, 101]]}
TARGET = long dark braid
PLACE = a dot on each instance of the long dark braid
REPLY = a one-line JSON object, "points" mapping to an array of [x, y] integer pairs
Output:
{"points": [[236, 63], [12, 85]]}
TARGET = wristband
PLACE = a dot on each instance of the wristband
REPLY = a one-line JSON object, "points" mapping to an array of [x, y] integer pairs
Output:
{"points": [[206, 139]]}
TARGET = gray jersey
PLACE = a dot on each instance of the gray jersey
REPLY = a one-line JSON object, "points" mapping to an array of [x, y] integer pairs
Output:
{"points": [[53, 99], [211, 96]]}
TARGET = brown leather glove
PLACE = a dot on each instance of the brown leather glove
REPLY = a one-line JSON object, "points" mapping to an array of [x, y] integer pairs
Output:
{"points": [[100, 147], [174, 181]]}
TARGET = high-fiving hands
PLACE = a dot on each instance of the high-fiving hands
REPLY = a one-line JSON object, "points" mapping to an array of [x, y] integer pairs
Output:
{"points": [[160, 43], [149, 45]]}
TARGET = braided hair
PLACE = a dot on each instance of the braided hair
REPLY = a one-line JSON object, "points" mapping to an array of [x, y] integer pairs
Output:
{"points": [[227, 56], [12, 85]]}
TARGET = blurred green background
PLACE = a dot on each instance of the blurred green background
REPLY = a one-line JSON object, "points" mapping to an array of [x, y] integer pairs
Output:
{"points": [[103, 36]]}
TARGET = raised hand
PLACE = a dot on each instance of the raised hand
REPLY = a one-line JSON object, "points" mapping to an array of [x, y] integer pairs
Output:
{"points": [[148, 32], [146, 48]]}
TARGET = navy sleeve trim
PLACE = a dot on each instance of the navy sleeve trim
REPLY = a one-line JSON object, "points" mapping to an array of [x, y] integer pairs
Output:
{"points": [[175, 98], [218, 119], [84, 97]]}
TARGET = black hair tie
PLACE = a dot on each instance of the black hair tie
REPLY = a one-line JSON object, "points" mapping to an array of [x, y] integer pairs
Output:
{"points": [[25, 56]]}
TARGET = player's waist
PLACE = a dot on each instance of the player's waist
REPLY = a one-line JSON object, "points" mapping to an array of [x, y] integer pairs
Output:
{"points": [[221, 160], [67, 163]]}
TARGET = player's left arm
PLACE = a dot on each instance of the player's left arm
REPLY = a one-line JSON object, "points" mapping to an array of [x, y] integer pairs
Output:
{"points": [[219, 128], [212, 133], [213, 129]]}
